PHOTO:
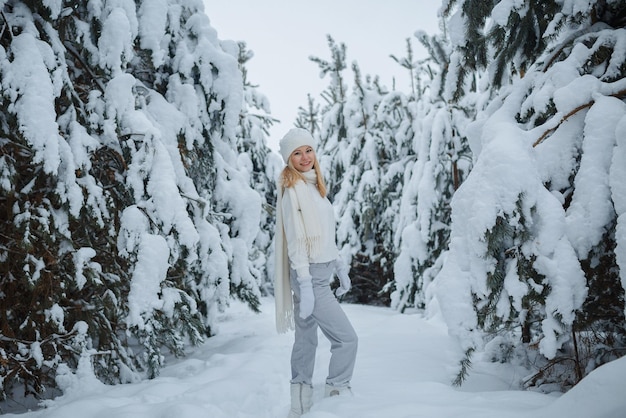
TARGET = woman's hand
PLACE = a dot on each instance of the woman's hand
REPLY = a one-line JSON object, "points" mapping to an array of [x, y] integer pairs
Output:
{"points": [[307, 299], [341, 270]]}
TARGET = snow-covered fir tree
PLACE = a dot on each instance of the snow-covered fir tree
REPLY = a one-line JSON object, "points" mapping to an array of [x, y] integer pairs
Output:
{"points": [[363, 229], [439, 161], [363, 172], [309, 117], [261, 166], [130, 212], [333, 125], [535, 268]]}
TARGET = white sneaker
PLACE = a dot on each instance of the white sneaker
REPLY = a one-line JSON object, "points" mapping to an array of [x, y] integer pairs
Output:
{"points": [[331, 390]]}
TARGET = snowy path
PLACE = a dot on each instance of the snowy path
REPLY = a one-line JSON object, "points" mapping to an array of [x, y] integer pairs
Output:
{"points": [[403, 370]]}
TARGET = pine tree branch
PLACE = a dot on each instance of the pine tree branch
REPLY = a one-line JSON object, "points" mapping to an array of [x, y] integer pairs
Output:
{"points": [[465, 365], [5, 26], [569, 41], [76, 55], [577, 368], [563, 119], [619, 95], [555, 54]]}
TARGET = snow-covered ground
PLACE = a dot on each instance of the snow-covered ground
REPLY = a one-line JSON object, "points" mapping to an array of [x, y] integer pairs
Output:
{"points": [[404, 368]]}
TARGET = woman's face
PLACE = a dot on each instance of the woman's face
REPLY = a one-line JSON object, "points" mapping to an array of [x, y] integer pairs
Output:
{"points": [[303, 158]]}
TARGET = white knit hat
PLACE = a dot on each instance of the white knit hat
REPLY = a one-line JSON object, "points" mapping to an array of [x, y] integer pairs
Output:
{"points": [[295, 138]]}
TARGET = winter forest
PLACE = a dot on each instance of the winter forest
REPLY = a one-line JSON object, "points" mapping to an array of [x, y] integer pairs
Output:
{"points": [[137, 188]]}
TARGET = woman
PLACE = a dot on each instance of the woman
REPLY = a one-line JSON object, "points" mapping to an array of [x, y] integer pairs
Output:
{"points": [[306, 258]]}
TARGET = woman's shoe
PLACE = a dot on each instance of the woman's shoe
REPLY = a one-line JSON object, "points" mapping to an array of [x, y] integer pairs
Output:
{"points": [[301, 399], [331, 390]]}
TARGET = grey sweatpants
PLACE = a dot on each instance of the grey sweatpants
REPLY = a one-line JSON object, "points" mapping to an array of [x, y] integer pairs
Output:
{"points": [[334, 324]]}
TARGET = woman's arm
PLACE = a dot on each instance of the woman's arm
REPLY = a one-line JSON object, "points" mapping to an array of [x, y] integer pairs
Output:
{"points": [[298, 258]]}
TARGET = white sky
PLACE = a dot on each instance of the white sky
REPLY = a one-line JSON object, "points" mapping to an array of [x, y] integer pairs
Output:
{"points": [[283, 34]]}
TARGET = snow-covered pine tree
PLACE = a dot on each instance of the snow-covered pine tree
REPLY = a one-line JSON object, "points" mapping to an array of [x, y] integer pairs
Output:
{"points": [[535, 269], [363, 189], [332, 133], [309, 118], [262, 167], [469, 52], [334, 141], [121, 234], [365, 226], [439, 161]]}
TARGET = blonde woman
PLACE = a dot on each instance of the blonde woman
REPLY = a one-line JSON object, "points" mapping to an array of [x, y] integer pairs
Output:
{"points": [[306, 258]]}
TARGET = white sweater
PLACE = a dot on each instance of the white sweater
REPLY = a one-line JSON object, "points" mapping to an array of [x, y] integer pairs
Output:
{"points": [[298, 260]]}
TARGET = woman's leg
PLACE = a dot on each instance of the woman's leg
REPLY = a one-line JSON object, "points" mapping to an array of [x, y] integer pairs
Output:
{"points": [[305, 341], [335, 325]]}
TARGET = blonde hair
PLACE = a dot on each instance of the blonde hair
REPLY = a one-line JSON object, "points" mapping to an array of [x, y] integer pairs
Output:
{"points": [[290, 176]]}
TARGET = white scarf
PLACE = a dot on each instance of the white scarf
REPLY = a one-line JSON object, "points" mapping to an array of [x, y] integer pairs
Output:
{"points": [[309, 237]]}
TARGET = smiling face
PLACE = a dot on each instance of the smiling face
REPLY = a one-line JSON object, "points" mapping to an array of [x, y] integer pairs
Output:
{"points": [[303, 158]]}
